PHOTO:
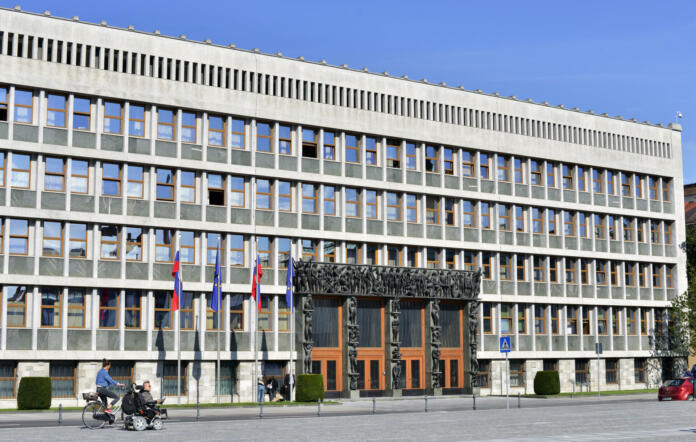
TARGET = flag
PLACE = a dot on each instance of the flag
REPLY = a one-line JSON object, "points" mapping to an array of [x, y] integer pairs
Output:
{"points": [[216, 301], [256, 283], [177, 283], [288, 283]]}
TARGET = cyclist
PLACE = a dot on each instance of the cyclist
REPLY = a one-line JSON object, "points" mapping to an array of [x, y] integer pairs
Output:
{"points": [[103, 383]]}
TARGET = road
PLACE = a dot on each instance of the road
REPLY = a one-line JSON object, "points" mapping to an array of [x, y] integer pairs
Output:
{"points": [[638, 417]]}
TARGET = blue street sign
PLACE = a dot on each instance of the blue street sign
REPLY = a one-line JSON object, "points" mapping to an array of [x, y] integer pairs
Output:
{"points": [[505, 344]]}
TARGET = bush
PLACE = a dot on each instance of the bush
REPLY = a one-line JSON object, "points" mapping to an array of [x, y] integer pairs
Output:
{"points": [[547, 382], [310, 387], [34, 393]]}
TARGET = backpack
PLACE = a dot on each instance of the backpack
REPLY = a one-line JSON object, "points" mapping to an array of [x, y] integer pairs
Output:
{"points": [[128, 403]]}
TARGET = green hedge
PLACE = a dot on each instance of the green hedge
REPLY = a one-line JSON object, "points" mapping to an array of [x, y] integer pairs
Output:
{"points": [[34, 393], [310, 387], [547, 382]]}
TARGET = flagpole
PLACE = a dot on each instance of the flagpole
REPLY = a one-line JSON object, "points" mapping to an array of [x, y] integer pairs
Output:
{"points": [[219, 302], [292, 336], [256, 326], [178, 330]]}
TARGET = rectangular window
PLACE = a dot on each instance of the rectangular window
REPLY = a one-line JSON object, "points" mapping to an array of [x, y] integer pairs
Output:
{"points": [[188, 185], [371, 206], [264, 137], [567, 177], [187, 247], [265, 319], [82, 114], [16, 305], [572, 320], [432, 258], [432, 209], [411, 156], [217, 127], [264, 194], [554, 269], [640, 231], [215, 241], [568, 223], [329, 201], [539, 319], [163, 310], [393, 154], [111, 179], [630, 274], [24, 107], [309, 198], [285, 139], [519, 171], [611, 182], [582, 179], [521, 268], [310, 250], [19, 237], [599, 227], [537, 220], [485, 209], [63, 379], [238, 193], [655, 232], [76, 308], [166, 124], [669, 276], [539, 269], [631, 315], [411, 208], [237, 312], [602, 327], [352, 202], [3, 169], [644, 321], [79, 177], [552, 222], [4, 103], [450, 208], [668, 233], [550, 175], [505, 267], [164, 242], [134, 243], [108, 308], [284, 196], [110, 242], [431, 159], [352, 149], [627, 229], [652, 188], [470, 259], [57, 115], [78, 240], [487, 318], [393, 206], [503, 168], [51, 300], [133, 308], [601, 273], [504, 222], [21, 171], [372, 253], [169, 378], [484, 166], [586, 321], [136, 121], [571, 265], [469, 213], [448, 161], [487, 265], [640, 370], [113, 117], [186, 318], [237, 250], [626, 184], [642, 275], [329, 146], [536, 172], [555, 319], [638, 184], [165, 184], [52, 238], [370, 151], [468, 163], [394, 256], [310, 143], [238, 134], [353, 253], [597, 181], [582, 225], [506, 319], [264, 245], [616, 321], [614, 273]]}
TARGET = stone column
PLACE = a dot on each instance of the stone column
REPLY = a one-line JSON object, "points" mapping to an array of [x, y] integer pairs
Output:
{"points": [[351, 336], [471, 340], [433, 382]]}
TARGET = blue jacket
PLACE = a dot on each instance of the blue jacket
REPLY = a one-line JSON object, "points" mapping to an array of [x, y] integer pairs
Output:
{"points": [[104, 380]]}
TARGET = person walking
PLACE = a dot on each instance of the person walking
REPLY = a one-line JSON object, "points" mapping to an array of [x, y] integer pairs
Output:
{"points": [[260, 390]]}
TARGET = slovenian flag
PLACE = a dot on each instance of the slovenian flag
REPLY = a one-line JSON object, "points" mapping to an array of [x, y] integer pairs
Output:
{"points": [[288, 283], [256, 283], [177, 283], [216, 301]]}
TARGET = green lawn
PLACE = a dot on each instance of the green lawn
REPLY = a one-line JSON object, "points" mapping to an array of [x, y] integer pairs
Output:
{"points": [[594, 393]]}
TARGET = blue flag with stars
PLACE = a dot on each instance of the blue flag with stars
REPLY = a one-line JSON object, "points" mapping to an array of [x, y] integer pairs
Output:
{"points": [[216, 301]]}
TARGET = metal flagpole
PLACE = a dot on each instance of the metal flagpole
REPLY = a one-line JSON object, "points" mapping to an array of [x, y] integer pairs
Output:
{"points": [[219, 302], [256, 325], [292, 335], [178, 329]]}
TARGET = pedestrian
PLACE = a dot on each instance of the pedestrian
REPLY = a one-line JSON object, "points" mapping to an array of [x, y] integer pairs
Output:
{"points": [[269, 388], [260, 390]]}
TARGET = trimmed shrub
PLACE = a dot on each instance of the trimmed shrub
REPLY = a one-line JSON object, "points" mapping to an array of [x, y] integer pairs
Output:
{"points": [[547, 382], [310, 387], [34, 393]]}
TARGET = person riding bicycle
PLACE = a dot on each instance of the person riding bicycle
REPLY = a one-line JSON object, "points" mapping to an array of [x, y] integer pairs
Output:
{"points": [[103, 383]]}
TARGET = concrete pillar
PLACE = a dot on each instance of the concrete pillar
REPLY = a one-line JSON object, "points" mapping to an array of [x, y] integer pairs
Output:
{"points": [[566, 373]]}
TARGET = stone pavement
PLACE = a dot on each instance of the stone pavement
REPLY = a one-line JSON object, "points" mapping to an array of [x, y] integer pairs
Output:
{"points": [[628, 418]]}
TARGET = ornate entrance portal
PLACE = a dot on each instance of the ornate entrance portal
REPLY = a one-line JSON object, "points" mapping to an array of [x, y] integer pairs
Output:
{"points": [[377, 330]]}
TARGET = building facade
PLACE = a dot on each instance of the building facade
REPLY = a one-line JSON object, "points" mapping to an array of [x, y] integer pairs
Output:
{"points": [[120, 147]]}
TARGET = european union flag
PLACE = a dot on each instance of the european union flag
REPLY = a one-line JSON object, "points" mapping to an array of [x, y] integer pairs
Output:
{"points": [[216, 302]]}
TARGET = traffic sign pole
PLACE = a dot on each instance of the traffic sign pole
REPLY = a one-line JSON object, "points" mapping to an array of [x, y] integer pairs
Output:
{"points": [[507, 380]]}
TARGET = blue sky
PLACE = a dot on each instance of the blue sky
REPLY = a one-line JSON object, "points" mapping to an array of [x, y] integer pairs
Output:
{"points": [[629, 58]]}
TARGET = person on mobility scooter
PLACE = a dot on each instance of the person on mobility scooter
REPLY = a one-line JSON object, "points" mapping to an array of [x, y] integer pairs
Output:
{"points": [[141, 410]]}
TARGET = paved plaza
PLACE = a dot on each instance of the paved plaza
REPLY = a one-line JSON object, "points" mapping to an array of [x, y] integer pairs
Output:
{"points": [[638, 417]]}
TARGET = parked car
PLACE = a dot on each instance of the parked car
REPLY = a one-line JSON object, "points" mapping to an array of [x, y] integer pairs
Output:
{"points": [[679, 389]]}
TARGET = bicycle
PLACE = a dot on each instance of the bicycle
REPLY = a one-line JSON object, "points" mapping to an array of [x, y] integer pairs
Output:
{"points": [[94, 414]]}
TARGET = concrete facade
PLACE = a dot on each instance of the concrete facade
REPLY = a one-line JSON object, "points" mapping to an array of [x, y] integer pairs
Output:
{"points": [[97, 68]]}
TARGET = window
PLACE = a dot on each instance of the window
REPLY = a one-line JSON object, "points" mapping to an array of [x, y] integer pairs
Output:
{"points": [[310, 143], [78, 240], [237, 250], [16, 305], [522, 319], [627, 229], [597, 181], [113, 117], [394, 256], [237, 312], [52, 239], [432, 258], [82, 114], [329, 200], [309, 250], [21, 171], [669, 276], [353, 254], [642, 275], [51, 307], [110, 247], [238, 134], [163, 310], [572, 320], [352, 202], [265, 319], [504, 217], [539, 269], [483, 375], [237, 198], [555, 319], [283, 245], [601, 273], [4, 102], [264, 137], [505, 267], [3, 169], [487, 318], [372, 253], [630, 274], [567, 177], [521, 267], [640, 370], [517, 373], [411, 208], [582, 225], [468, 166], [186, 318], [611, 185], [136, 121], [166, 124], [552, 219], [519, 171], [264, 194], [188, 187], [536, 172], [329, 146], [550, 175], [638, 184], [640, 230], [631, 315], [503, 168], [108, 308], [264, 245], [371, 206], [187, 247], [216, 130], [655, 232], [539, 319], [487, 265], [134, 243], [216, 189], [352, 149], [393, 154], [554, 269], [79, 176], [76, 308], [470, 258], [163, 245], [111, 179], [57, 115], [309, 198], [215, 241], [165, 184], [285, 140], [599, 227], [616, 321], [283, 314], [450, 207], [169, 378], [63, 379], [411, 156], [668, 233], [582, 179], [484, 166], [602, 328], [19, 237], [626, 184], [393, 206], [24, 107], [448, 164], [432, 209], [431, 159], [469, 213], [586, 321], [485, 215], [506, 319], [571, 270], [568, 223], [537, 220], [370, 151]]}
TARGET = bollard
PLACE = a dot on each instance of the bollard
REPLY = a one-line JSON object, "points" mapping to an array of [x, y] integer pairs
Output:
{"points": [[318, 407], [474, 397], [198, 411], [426, 403], [60, 414], [261, 411], [374, 405], [519, 402]]}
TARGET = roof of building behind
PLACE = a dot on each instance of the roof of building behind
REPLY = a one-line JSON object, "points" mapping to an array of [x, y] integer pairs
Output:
{"points": [[690, 212]]}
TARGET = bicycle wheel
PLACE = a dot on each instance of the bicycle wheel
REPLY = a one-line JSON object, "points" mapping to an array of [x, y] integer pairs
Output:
{"points": [[93, 415]]}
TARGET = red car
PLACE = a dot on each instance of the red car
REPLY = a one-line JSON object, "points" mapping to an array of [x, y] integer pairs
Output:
{"points": [[680, 389]]}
